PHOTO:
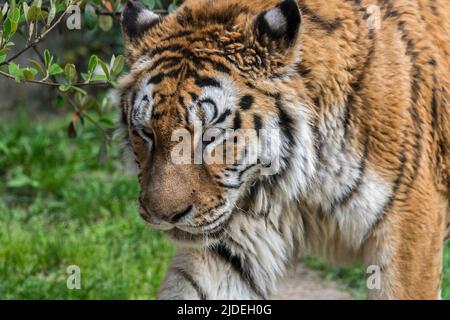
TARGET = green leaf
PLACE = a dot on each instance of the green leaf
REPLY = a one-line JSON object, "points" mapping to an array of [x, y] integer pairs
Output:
{"points": [[7, 28], [14, 70], [93, 62], [34, 13], [117, 66], [71, 73], [2, 57], [105, 23], [78, 97], [90, 17], [79, 90], [88, 102], [5, 9], [38, 66], [15, 15], [104, 68], [51, 13], [55, 69], [47, 58], [64, 87], [99, 77], [29, 73], [107, 123], [14, 26], [26, 8]]}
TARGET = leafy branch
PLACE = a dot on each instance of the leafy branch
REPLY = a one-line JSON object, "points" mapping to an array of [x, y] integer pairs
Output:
{"points": [[80, 86]]}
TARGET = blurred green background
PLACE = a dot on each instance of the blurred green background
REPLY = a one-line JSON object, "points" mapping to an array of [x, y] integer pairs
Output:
{"points": [[70, 201]]}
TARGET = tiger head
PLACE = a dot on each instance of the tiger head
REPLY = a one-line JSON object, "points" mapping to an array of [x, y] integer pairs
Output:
{"points": [[218, 79]]}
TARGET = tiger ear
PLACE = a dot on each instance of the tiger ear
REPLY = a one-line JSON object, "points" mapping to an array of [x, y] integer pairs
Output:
{"points": [[137, 19], [280, 25]]}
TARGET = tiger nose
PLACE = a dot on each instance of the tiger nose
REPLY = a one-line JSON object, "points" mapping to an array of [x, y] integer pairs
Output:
{"points": [[178, 216], [172, 217]]}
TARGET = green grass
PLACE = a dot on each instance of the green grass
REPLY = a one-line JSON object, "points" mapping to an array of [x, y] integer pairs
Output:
{"points": [[349, 279], [59, 207]]}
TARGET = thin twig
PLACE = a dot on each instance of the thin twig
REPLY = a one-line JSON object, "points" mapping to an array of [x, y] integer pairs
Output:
{"points": [[89, 118], [117, 14], [55, 84], [38, 39]]}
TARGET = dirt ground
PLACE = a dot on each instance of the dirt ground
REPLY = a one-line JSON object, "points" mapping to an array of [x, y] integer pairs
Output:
{"points": [[305, 284]]}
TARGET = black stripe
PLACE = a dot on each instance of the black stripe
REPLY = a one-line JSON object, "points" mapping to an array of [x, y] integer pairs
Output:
{"points": [[258, 124], [246, 102], [287, 126], [237, 122], [171, 63], [223, 117], [416, 75], [177, 35], [207, 82], [401, 174], [201, 294], [148, 134], [181, 101], [194, 97], [174, 74], [434, 108], [214, 105], [191, 73], [396, 184], [225, 17], [124, 108], [303, 70], [170, 48], [123, 118], [238, 265], [286, 123], [328, 26], [358, 85], [163, 60], [133, 99], [228, 186], [345, 199], [217, 65], [156, 79]]}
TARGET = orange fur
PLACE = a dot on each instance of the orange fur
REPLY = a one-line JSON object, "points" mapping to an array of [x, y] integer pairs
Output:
{"points": [[394, 82]]}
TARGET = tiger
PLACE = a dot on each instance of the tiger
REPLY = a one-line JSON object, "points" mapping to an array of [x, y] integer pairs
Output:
{"points": [[353, 94]]}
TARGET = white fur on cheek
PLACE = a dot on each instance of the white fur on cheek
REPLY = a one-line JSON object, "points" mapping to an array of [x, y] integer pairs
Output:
{"points": [[143, 105], [225, 98]]}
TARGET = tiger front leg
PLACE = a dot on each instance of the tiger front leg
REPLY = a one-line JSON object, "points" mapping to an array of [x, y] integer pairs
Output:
{"points": [[204, 274], [407, 248]]}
